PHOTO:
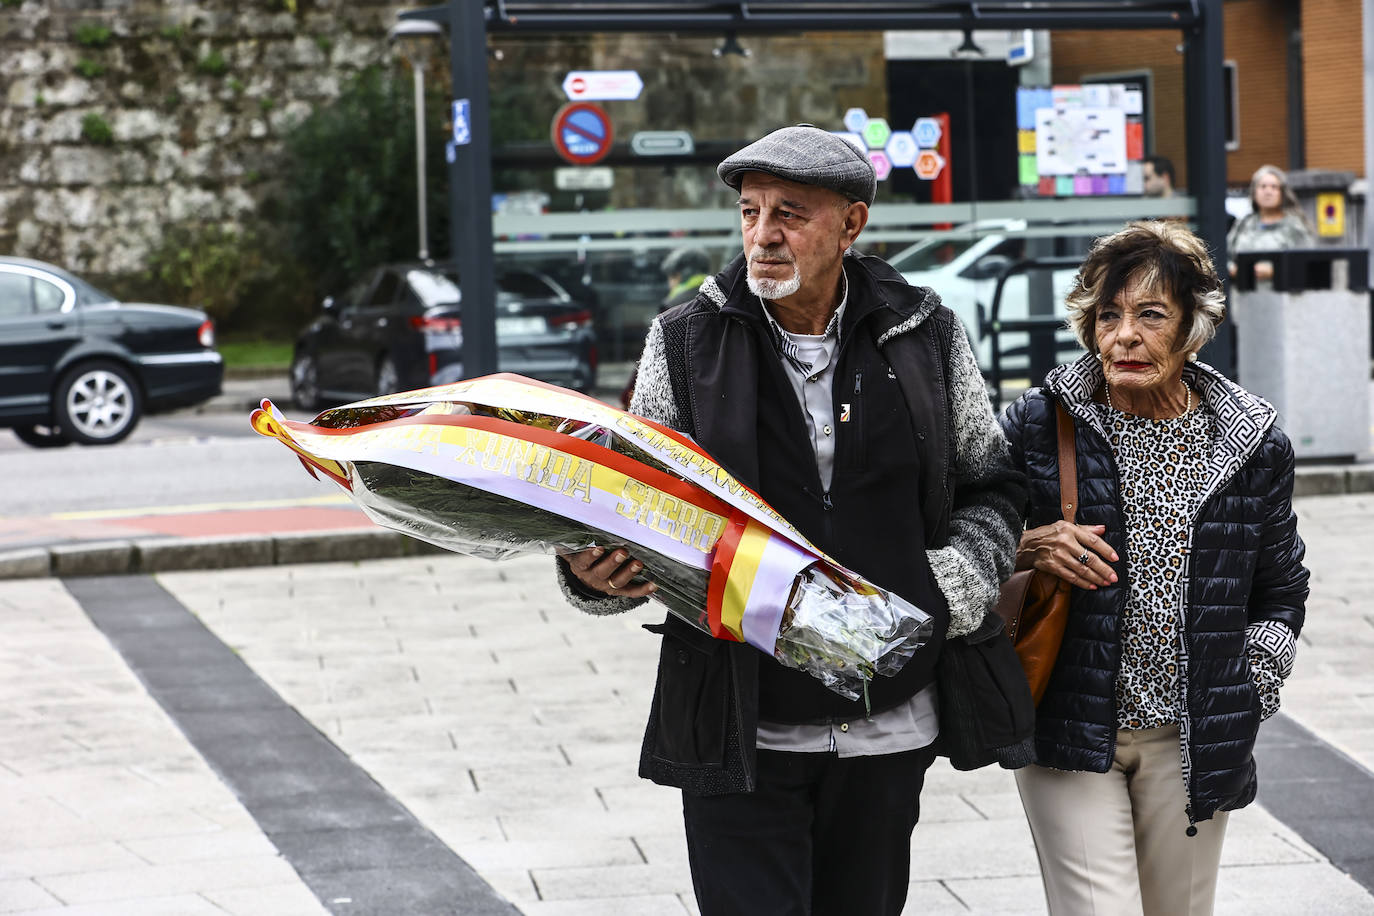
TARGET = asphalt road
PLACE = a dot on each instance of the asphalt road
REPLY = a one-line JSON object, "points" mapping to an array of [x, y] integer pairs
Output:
{"points": [[184, 459], [194, 460]]}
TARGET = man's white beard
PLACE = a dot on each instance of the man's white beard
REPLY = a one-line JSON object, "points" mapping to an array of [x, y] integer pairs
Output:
{"points": [[767, 288]]}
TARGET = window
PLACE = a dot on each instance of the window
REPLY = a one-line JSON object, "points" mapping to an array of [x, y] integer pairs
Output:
{"points": [[529, 285], [930, 254], [47, 297], [385, 293], [433, 288], [353, 298], [16, 299]]}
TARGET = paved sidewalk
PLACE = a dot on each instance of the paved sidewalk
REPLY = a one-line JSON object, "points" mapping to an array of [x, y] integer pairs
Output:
{"points": [[104, 807], [509, 725]]}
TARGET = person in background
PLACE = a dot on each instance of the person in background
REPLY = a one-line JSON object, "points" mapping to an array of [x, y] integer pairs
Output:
{"points": [[1157, 175], [1275, 222], [1189, 587], [685, 269], [852, 403]]}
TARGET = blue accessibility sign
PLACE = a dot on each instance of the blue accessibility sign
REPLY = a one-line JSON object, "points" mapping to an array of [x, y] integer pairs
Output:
{"points": [[582, 133], [462, 122]]}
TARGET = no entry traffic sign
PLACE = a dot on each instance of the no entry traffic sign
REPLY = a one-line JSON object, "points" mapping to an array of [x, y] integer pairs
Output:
{"points": [[602, 85], [582, 133]]}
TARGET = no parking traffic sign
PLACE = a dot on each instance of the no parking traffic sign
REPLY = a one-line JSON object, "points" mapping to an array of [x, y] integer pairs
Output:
{"points": [[582, 133]]}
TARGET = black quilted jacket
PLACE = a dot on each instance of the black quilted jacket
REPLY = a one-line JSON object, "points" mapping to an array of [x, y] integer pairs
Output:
{"points": [[1243, 564]]}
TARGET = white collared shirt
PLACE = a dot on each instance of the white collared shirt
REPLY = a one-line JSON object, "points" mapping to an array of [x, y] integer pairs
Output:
{"points": [[809, 361]]}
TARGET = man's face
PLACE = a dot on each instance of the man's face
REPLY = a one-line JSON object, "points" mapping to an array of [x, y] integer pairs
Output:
{"points": [[793, 233], [1155, 185]]}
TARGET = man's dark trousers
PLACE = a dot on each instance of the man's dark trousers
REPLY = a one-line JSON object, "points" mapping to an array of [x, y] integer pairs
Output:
{"points": [[820, 836]]}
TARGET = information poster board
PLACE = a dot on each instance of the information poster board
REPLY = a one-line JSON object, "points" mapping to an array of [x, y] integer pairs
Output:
{"points": [[1081, 140]]}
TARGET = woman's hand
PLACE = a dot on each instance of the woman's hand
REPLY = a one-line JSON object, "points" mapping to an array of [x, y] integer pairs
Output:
{"points": [[608, 573], [1075, 553], [1264, 270]]}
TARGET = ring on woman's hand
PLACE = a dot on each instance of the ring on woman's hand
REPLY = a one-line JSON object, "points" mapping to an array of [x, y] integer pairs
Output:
{"points": [[1083, 558], [611, 585]]}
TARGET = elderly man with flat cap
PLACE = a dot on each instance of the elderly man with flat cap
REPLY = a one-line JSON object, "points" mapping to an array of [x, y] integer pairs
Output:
{"points": [[852, 403]]}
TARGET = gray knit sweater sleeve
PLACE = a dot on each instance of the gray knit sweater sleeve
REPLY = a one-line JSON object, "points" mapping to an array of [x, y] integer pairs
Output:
{"points": [[986, 522], [653, 399]]}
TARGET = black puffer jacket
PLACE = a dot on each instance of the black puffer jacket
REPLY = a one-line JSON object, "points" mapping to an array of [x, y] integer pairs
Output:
{"points": [[1243, 564]]}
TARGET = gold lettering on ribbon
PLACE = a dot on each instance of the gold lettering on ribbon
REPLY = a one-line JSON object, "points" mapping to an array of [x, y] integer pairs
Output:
{"points": [[666, 514], [526, 461], [631, 497], [580, 482], [553, 474], [708, 530], [700, 466]]}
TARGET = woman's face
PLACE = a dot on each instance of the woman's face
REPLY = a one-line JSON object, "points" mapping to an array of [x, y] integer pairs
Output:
{"points": [[1138, 336], [1269, 192]]}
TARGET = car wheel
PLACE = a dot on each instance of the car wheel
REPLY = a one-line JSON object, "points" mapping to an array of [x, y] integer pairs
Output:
{"points": [[305, 382], [388, 379], [40, 436], [98, 403]]}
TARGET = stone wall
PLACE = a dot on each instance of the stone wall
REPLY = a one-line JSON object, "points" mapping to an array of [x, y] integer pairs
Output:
{"points": [[175, 116]]}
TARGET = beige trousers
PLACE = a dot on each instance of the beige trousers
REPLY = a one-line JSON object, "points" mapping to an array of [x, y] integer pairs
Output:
{"points": [[1114, 843]]}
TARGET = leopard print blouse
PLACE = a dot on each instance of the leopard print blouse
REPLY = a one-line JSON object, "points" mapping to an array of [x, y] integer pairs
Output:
{"points": [[1162, 466]]}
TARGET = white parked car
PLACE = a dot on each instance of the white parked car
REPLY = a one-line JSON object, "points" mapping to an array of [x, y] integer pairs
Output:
{"points": [[963, 267]]}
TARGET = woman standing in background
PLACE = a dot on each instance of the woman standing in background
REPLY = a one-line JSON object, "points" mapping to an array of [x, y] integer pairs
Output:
{"points": [[1276, 221]]}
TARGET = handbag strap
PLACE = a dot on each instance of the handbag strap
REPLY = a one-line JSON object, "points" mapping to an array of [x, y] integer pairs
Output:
{"points": [[1068, 466]]}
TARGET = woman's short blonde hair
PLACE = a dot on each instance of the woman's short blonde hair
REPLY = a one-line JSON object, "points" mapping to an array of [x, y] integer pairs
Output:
{"points": [[1163, 257]]}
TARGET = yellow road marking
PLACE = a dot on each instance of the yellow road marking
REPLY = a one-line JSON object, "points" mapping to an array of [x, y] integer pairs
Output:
{"points": [[337, 499]]}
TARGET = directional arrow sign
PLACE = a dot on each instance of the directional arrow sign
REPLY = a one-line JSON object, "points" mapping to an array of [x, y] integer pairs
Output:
{"points": [[662, 143], [602, 85]]}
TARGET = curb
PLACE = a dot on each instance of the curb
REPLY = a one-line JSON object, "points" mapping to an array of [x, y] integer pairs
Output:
{"points": [[163, 554], [160, 554], [1333, 479]]}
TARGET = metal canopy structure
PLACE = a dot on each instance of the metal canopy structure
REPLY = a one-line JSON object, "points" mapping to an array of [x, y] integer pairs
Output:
{"points": [[469, 22], [853, 15]]}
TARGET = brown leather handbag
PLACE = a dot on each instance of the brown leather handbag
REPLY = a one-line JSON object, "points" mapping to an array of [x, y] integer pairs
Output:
{"points": [[1034, 605]]}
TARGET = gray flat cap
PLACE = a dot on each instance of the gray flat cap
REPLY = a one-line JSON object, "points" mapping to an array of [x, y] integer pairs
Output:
{"points": [[807, 155]]}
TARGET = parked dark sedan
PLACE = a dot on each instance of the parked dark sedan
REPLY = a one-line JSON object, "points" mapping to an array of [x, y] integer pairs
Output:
{"points": [[400, 327], [76, 365]]}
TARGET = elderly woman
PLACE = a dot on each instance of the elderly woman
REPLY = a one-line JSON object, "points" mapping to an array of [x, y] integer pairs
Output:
{"points": [[1189, 588], [1275, 221]]}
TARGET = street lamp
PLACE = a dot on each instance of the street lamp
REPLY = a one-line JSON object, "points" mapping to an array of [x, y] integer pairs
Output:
{"points": [[416, 39]]}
